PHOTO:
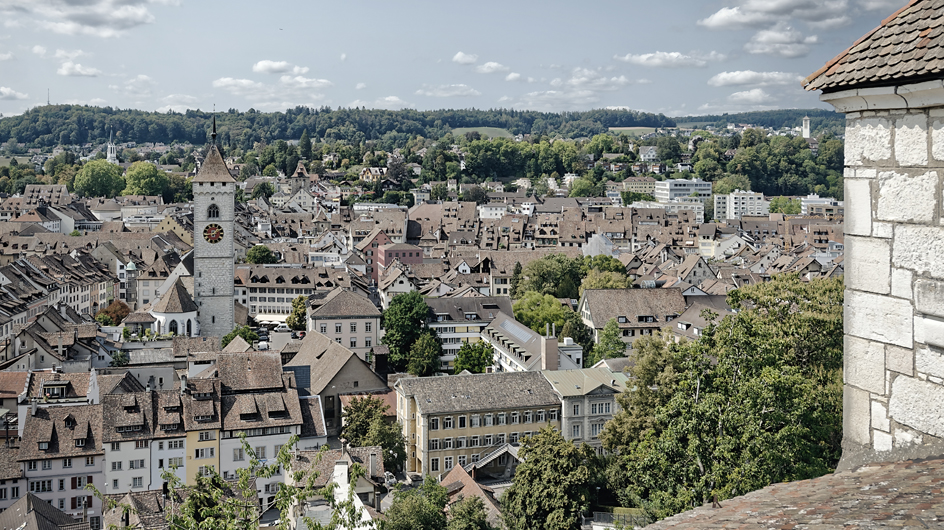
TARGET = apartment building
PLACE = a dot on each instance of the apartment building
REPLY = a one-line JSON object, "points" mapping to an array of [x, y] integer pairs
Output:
{"points": [[643, 184], [638, 312], [351, 319], [518, 348], [268, 290], [821, 206], [667, 190], [588, 401], [202, 420], [740, 203], [456, 420], [461, 320]]}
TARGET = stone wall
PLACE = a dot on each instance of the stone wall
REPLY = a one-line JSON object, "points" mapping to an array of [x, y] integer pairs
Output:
{"points": [[893, 400]]}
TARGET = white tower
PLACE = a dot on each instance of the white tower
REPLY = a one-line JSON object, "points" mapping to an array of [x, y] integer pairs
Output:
{"points": [[214, 205], [806, 127], [112, 153]]}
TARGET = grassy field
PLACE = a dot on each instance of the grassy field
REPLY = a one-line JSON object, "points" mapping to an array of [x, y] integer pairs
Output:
{"points": [[5, 160], [633, 131], [491, 132]]}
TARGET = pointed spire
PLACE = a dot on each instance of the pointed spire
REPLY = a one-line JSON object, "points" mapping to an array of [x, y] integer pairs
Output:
{"points": [[213, 134]]}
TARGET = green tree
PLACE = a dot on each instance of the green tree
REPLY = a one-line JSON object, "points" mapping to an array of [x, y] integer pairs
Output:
{"points": [[363, 425], [179, 189], [630, 197], [98, 178], [668, 150], [120, 358], [144, 178], [585, 188], [731, 183], [536, 310], [263, 189], [270, 171], [304, 146], [439, 192], [468, 514], [474, 357], [611, 343], [785, 205], [551, 487], [605, 280], [515, 279], [476, 194], [404, 321], [75, 233], [247, 334], [298, 319], [260, 254], [554, 274], [419, 509], [104, 319], [424, 355], [389, 437]]}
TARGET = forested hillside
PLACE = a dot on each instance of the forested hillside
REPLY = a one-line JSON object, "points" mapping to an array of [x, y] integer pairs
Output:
{"points": [[73, 124], [820, 120]]}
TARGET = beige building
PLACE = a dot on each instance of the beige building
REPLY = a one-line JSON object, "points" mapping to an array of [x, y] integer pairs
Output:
{"points": [[347, 317], [458, 420], [645, 185]]}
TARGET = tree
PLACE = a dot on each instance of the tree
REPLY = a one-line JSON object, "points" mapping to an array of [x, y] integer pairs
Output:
{"points": [[630, 197], [668, 150], [98, 178], [439, 192], [120, 358], [247, 334], [611, 343], [554, 274], [515, 279], [104, 319], [260, 254], [604, 280], [468, 514], [785, 205], [263, 189], [424, 355], [116, 312], [75, 233], [474, 357], [179, 189], [404, 321], [298, 319], [144, 178], [363, 425], [551, 486], [584, 188], [270, 171], [536, 310], [304, 146], [419, 509], [757, 399], [476, 194]]}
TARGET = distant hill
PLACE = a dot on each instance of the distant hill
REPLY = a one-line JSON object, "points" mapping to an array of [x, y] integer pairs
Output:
{"points": [[820, 119]]}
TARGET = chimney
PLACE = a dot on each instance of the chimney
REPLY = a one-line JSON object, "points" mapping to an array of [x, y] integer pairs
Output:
{"points": [[549, 353], [183, 384], [372, 465], [554, 329], [33, 407], [60, 346]]}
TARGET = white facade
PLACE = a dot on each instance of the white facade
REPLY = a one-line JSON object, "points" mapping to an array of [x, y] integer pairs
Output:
{"points": [[810, 203], [739, 203], [675, 206], [166, 454], [667, 190], [492, 211], [127, 466]]}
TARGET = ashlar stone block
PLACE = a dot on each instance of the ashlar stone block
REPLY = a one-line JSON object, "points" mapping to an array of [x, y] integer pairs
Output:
{"points": [[856, 415], [880, 417], [868, 264], [937, 140], [868, 140], [929, 297], [901, 283], [917, 404], [858, 201], [929, 331], [899, 359], [911, 140], [882, 441], [919, 248], [879, 318], [864, 364], [906, 198], [929, 361]]}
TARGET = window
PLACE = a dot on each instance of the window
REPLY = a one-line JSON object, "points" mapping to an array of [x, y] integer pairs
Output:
{"points": [[499, 439], [434, 464], [353, 327], [448, 462], [260, 452], [501, 418], [368, 342], [206, 452], [175, 444], [540, 416], [513, 438], [353, 342], [475, 421], [43, 446], [15, 492], [116, 466], [140, 444], [462, 460], [488, 420], [447, 422], [116, 446], [338, 340], [514, 418], [487, 440], [474, 441], [461, 421], [66, 462], [62, 484], [460, 442], [433, 425], [137, 482], [324, 328], [552, 415], [213, 212], [204, 470], [39, 486], [475, 458], [136, 464], [90, 460], [176, 462], [337, 328], [434, 444], [206, 435], [114, 484], [160, 446], [47, 464], [238, 455], [368, 327], [575, 431], [447, 443], [576, 409], [595, 429]]}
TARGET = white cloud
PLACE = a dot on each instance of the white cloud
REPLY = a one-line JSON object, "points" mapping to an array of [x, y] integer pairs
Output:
{"points": [[277, 67], [71, 69], [671, 59], [39, 50], [360, 86], [303, 82], [100, 18], [880, 5], [68, 54], [389, 103], [557, 100], [343, 57], [758, 13], [780, 40], [448, 91], [138, 86], [8, 94], [464, 58], [514, 76], [239, 87], [491, 67], [750, 77], [6, 56], [754, 96], [289, 91], [585, 78], [177, 103]]}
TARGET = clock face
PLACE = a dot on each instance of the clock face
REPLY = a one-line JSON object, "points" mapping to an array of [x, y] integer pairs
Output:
{"points": [[213, 233]]}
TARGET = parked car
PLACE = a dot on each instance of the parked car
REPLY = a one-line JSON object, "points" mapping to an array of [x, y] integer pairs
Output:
{"points": [[282, 327], [263, 336], [301, 334]]}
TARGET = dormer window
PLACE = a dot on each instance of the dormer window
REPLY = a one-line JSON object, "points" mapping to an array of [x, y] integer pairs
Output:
{"points": [[80, 442], [621, 320], [202, 418], [43, 446]]}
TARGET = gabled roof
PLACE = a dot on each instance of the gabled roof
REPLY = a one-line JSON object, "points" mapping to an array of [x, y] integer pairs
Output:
{"points": [[34, 513], [340, 302], [214, 168], [175, 300], [906, 46]]}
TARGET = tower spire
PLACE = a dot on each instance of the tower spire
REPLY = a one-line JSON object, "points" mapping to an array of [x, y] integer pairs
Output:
{"points": [[213, 134]]}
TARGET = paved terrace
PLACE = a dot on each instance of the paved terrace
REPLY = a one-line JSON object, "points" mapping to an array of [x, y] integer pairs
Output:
{"points": [[899, 495]]}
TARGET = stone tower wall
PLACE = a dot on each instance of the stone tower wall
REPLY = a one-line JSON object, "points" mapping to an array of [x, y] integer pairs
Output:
{"points": [[214, 263]]}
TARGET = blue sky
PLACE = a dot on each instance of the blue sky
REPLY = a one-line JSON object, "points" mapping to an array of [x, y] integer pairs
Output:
{"points": [[677, 57]]}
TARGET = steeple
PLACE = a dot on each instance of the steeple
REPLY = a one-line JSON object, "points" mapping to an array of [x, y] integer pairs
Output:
{"points": [[213, 134]]}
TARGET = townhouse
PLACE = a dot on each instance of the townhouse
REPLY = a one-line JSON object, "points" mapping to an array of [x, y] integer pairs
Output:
{"points": [[517, 348], [351, 319], [638, 312], [588, 401]]}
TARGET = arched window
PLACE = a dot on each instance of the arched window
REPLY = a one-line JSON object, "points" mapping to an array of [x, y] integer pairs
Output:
{"points": [[189, 328], [173, 327], [213, 212]]}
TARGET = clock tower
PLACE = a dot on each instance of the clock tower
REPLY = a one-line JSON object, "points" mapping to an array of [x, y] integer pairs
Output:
{"points": [[214, 213]]}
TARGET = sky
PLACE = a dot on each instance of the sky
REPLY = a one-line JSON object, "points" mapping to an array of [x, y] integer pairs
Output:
{"points": [[676, 57]]}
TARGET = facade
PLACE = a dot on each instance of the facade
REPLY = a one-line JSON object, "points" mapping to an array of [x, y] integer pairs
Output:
{"points": [[588, 401], [821, 206], [402, 252], [638, 312], [461, 320], [643, 184], [739, 203], [456, 420], [894, 262], [519, 349], [214, 195], [348, 317], [667, 190]]}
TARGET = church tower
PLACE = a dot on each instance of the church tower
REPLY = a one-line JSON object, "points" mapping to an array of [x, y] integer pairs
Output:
{"points": [[112, 155], [806, 127], [214, 214]]}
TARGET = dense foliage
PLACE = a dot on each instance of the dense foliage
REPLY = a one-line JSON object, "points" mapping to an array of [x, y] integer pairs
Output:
{"points": [[241, 331], [418, 509], [756, 400], [363, 425], [404, 322], [474, 357]]}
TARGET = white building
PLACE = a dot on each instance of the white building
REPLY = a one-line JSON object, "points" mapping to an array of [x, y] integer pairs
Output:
{"points": [[816, 205], [667, 190], [739, 203], [692, 204], [460, 320], [519, 349]]}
